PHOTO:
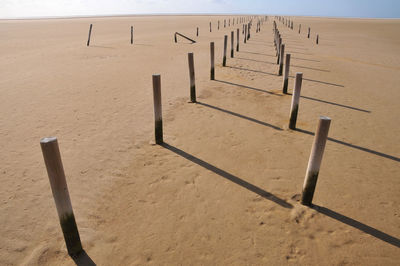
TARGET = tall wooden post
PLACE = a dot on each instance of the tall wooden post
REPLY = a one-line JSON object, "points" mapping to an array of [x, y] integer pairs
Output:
{"points": [[314, 162], [281, 57], [245, 33], [294, 109], [58, 183], [286, 74], [237, 40], [90, 33], [158, 124], [212, 72], [308, 35], [218, 24], [131, 34], [232, 43], [225, 47], [299, 28], [197, 31], [210, 26], [317, 41], [192, 79]]}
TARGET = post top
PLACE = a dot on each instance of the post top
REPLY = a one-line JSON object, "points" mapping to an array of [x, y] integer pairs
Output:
{"points": [[156, 75], [324, 118], [48, 140]]}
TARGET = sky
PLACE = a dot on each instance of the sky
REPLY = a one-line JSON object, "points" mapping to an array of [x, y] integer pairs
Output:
{"points": [[331, 8]]}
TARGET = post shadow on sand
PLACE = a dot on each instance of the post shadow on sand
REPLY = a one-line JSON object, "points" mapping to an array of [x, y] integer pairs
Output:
{"points": [[251, 70], [247, 52], [312, 68], [240, 116], [229, 176], [337, 104], [384, 155], [248, 87], [83, 259], [322, 82], [305, 59], [360, 226], [254, 60]]}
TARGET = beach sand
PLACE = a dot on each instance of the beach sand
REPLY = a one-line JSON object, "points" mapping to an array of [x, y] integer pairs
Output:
{"points": [[225, 188]]}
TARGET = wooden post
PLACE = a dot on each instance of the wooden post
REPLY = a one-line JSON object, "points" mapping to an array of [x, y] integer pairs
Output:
{"points": [[232, 43], [218, 24], [308, 36], [281, 57], [225, 47], [58, 183], [314, 162], [299, 28], [158, 129], [237, 40], [294, 109], [248, 31], [286, 74], [245, 33], [229, 23], [224, 23], [131, 34], [212, 73], [317, 41], [278, 51], [210, 26], [192, 80], [197, 31], [90, 33]]}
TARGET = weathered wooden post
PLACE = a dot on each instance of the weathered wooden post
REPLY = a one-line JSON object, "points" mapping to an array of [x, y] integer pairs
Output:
{"points": [[286, 74], [210, 26], [225, 47], [90, 33], [192, 79], [245, 33], [212, 73], [237, 40], [131, 34], [229, 23], [281, 57], [294, 109], [299, 28], [197, 31], [218, 24], [278, 51], [317, 41], [232, 43], [248, 31], [308, 36], [158, 124], [224, 23], [58, 183], [314, 162]]}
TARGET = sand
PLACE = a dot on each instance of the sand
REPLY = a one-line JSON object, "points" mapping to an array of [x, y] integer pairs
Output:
{"points": [[224, 189]]}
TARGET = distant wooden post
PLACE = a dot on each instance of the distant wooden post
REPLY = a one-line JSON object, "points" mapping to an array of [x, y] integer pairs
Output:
{"points": [[225, 47], [243, 29], [286, 74], [229, 23], [224, 23], [212, 73], [308, 36], [131, 34], [281, 57], [314, 162], [299, 28], [58, 183], [248, 31], [245, 33], [192, 80], [294, 109], [90, 33], [232, 43], [218, 24], [278, 52], [317, 41], [210, 26], [158, 125], [237, 40], [197, 31]]}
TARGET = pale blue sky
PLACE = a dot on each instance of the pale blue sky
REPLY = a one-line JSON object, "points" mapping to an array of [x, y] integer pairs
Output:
{"points": [[341, 8]]}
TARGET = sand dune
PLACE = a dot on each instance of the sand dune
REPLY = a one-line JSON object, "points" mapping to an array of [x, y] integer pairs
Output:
{"points": [[224, 189]]}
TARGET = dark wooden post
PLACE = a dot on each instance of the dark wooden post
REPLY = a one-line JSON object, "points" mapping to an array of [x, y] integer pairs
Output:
{"points": [[308, 36], [317, 41], [131, 34], [197, 31], [225, 47], [210, 26], [58, 183], [286, 74], [232, 43], [314, 162], [158, 125], [245, 33], [294, 109], [237, 39], [212, 73], [281, 57], [192, 79], [90, 33]]}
